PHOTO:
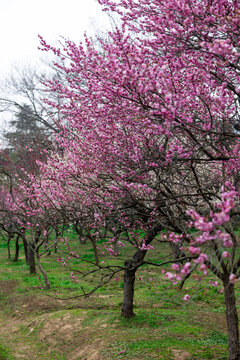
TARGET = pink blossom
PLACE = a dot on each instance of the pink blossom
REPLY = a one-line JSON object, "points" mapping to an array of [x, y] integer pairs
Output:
{"points": [[194, 251], [175, 267], [220, 218], [232, 278], [226, 254], [170, 275], [111, 251], [200, 222], [204, 237], [203, 268], [146, 247], [174, 238], [225, 238], [186, 297], [178, 277], [186, 268], [202, 258], [121, 352], [121, 243]]}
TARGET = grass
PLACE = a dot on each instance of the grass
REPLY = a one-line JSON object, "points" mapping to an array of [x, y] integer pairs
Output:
{"points": [[5, 353], [35, 325]]}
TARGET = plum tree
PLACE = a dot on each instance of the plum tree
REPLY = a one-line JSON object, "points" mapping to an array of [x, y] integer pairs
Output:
{"points": [[151, 122]]}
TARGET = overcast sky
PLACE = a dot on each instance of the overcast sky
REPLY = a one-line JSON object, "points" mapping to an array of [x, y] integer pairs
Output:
{"points": [[22, 20]]}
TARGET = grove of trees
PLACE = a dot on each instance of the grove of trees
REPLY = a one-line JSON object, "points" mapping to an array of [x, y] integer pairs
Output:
{"points": [[146, 139]]}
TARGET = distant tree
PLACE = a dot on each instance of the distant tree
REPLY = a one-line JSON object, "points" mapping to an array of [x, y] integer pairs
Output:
{"points": [[25, 121], [24, 91], [23, 127], [25, 143], [25, 139]]}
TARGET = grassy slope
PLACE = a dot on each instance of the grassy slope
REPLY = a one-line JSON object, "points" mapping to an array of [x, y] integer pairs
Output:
{"points": [[35, 326]]}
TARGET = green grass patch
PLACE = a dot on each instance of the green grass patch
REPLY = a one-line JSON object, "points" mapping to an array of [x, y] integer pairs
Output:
{"points": [[5, 353], [53, 329]]}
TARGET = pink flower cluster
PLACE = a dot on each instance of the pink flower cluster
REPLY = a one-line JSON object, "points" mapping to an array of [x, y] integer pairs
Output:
{"points": [[210, 233]]}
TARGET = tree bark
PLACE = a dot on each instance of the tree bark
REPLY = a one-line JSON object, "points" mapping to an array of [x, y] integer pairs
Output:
{"points": [[46, 280], [129, 279], [16, 249], [116, 247], [31, 260], [82, 237], [232, 320], [131, 267], [94, 244], [80, 232], [57, 233], [25, 245], [10, 236]]}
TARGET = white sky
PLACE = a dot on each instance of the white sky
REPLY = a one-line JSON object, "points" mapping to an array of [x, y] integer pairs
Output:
{"points": [[22, 20]]}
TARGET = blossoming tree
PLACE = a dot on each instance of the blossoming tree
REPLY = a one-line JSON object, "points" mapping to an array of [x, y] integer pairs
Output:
{"points": [[151, 126]]}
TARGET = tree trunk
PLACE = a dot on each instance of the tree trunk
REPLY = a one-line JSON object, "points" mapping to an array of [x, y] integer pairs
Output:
{"points": [[129, 279], [16, 249], [82, 236], [82, 240], [10, 236], [80, 232], [115, 244], [58, 234], [31, 260], [94, 244], [25, 245], [46, 280], [115, 248], [131, 267], [232, 321]]}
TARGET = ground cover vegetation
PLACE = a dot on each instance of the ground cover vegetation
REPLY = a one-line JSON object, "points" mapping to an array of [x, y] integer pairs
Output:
{"points": [[36, 326], [146, 151]]}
